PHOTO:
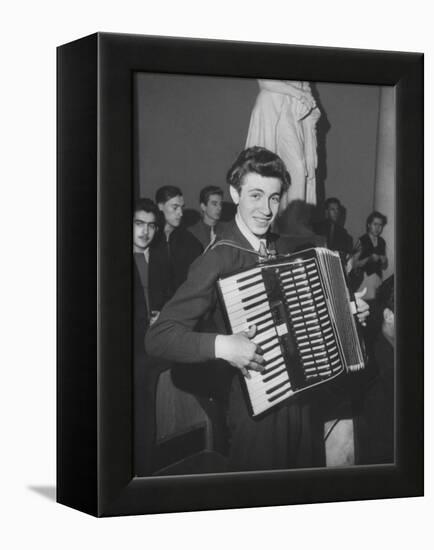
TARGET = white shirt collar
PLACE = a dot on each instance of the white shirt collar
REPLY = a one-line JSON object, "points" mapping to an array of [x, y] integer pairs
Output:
{"points": [[253, 239], [144, 252]]}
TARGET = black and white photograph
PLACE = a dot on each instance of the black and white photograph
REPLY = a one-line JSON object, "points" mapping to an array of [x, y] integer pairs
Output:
{"points": [[216, 287], [268, 359], [246, 222]]}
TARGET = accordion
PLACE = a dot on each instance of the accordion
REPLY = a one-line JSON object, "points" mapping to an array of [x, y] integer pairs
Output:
{"points": [[305, 323]]}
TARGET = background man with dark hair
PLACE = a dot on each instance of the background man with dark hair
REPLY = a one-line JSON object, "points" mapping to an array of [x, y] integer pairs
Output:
{"points": [[173, 251], [208, 227], [337, 237], [144, 230]]}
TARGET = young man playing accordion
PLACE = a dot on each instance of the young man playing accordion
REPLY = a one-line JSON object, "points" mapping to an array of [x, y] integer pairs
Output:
{"points": [[281, 437]]}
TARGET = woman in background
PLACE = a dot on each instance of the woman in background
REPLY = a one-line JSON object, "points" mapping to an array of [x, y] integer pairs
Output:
{"points": [[370, 255]]}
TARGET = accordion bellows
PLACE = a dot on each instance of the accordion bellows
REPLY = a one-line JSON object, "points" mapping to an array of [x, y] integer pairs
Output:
{"points": [[305, 323]]}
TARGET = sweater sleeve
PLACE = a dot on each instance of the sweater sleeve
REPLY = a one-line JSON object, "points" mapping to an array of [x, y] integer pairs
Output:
{"points": [[173, 336]]}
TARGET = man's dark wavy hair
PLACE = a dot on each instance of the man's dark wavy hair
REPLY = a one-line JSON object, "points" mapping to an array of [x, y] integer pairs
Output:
{"points": [[374, 215], [166, 193], [207, 191], [257, 160], [147, 205], [332, 200]]}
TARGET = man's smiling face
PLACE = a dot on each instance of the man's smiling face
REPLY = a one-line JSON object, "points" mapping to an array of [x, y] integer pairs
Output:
{"points": [[258, 201]]}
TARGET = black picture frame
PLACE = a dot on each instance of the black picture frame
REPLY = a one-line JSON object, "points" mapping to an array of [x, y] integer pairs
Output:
{"points": [[95, 192]]}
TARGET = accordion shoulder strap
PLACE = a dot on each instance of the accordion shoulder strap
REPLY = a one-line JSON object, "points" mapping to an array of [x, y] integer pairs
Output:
{"points": [[232, 244]]}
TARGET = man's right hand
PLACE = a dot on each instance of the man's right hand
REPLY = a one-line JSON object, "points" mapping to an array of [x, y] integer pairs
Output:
{"points": [[240, 351]]}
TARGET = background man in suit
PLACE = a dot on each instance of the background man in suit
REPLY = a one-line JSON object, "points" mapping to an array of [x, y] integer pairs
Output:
{"points": [[337, 237], [208, 227], [144, 230], [174, 249]]}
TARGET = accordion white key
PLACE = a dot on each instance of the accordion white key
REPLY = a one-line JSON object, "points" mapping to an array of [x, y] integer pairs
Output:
{"points": [[305, 323]]}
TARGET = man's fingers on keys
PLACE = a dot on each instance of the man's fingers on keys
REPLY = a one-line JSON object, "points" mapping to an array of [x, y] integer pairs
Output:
{"points": [[245, 372], [258, 358], [254, 365], [251, 332], [259, 350]]}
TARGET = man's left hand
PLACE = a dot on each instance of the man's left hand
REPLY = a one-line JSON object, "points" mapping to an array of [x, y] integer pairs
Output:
{"points": [[362, 307]]}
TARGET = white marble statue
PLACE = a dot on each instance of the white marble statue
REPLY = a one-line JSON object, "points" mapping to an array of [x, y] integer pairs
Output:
{"points": [[284, 120]]}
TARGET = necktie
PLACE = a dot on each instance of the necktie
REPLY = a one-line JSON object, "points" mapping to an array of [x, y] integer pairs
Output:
{"points": [[212, 235], [263, 250], [331, 237]]}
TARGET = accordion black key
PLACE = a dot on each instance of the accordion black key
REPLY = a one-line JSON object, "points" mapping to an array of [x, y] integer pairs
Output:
{"points": [[305, 323]]}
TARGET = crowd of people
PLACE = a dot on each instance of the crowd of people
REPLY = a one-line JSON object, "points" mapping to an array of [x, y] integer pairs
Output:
{"points": [[177, 309]]}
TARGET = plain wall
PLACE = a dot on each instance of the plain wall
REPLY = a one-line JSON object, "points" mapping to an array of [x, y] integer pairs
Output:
{"points": [[347, 136], [189, 130]]}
